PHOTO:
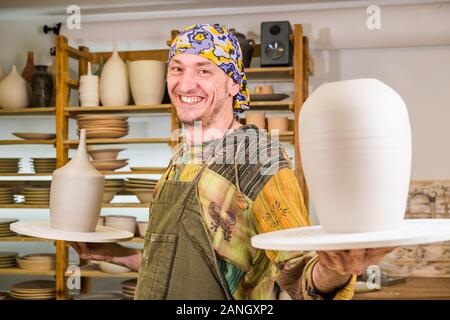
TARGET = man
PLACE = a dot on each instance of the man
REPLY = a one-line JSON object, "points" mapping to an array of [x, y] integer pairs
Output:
{"points": [[206, 208]]}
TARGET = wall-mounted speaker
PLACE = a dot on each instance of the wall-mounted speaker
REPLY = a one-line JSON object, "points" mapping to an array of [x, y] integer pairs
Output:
{"points": [[276, 48]]}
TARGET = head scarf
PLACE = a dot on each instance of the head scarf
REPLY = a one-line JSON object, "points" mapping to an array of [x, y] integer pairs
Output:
{"points": [[221, 47]]}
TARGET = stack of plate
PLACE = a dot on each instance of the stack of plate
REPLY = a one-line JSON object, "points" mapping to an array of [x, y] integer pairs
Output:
{"points": [[128, 288], [109, 165], [112, 186], [9, 165], [6, 196], [36, 195], [99, 296], [142, 188], [7, 259], [38, 261], [3, 296], [34, 290], [103, 126], [43, 165], [4, 227]]}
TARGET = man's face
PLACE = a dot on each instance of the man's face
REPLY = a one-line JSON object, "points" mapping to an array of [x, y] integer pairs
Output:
{"points": [[198, 88]]}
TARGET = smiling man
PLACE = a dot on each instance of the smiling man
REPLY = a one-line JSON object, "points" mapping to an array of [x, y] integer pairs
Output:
{"points": [[219, 190]]}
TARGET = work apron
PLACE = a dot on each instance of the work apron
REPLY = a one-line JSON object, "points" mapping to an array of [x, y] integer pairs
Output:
{"points": [[179, 261]]}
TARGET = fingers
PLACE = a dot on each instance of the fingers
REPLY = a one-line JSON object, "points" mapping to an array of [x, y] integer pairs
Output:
{"points": [[332, 260]]}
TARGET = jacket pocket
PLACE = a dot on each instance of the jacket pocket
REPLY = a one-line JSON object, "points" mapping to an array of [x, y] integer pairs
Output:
{"points": [[156, 268]]}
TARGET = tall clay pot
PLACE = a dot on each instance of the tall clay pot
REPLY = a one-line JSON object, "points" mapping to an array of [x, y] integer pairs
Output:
{"points": [[14, 91], [76, 193], [147, 81], [355, 139], [29, 67], [114, 87], [41, 87]]}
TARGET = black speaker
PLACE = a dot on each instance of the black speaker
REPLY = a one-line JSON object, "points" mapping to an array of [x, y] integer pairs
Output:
{"points": [[276, 48]]}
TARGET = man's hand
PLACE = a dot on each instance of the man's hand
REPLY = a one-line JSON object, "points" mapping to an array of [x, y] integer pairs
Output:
{"points": [[109, 252], [335, 268]]}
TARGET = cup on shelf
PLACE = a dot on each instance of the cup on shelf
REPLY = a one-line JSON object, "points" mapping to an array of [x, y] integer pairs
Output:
{"points": [[258, 118], [278, 123], [263, 89]]}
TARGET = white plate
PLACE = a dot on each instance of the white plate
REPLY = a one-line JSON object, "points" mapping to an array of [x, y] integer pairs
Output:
{"points": [[42, 229], [411, 232]]}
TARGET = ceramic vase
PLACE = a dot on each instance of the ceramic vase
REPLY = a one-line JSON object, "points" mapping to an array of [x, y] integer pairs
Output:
{"points": [[14, 91], [355, 143], [41, 87], [114, 88], [88, 90], [76, 193], [147, 81], [29, 67], [258, 118]]}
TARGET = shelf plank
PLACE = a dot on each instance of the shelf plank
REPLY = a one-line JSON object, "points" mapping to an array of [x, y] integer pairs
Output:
{"points": [[19, 238], [288, 105], [18, 271], [93, 271], [24, 206], [126, 205], [34, 141], [25, 174], [120, 141], [27, 111], [270, 73], [155, 170], [72, 111]]}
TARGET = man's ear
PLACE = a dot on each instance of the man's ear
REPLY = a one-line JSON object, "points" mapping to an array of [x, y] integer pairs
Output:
{"points": [[234, 88]]}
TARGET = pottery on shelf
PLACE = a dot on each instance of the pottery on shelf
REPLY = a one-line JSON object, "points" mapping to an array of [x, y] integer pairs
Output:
{"points": [[258, 118], [76, 193], [14, 91], [147, 81], [88, 90], [41, 87], [114, 88], [278, 123], [355, 139], [28, 70]]}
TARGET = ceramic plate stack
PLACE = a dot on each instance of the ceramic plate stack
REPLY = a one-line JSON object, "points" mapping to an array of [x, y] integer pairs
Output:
{"points": [[4, 227], [34, 290], [128, 288], [103, 126], [3, 296], [9, 165], [43, 165], [142, 188], [99, 296], [8, 259], [6, 196], [36, 195], [37, 261], [112, 186], [109, 165]]}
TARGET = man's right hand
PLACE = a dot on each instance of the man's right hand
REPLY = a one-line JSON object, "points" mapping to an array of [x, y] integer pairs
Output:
{"points": [[109, 252]]}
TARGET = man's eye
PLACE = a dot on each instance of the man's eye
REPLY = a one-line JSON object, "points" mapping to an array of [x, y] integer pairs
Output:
{"points": [[203, 71], [176, 69]]}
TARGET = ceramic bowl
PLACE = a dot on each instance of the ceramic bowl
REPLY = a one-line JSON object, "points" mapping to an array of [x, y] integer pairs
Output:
{"points": [[127, 223], [36, 264], [278, 123], [101, 221], [142, 227], [109, 194], [112, 268], [105, 154], [144, 195]]}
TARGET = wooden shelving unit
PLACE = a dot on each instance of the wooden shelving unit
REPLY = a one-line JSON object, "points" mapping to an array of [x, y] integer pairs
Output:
{"points": [[298, 74], [93, 271], [24, 272]]}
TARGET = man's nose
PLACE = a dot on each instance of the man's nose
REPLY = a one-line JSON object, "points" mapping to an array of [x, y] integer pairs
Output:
{"points": [[187, 83]]}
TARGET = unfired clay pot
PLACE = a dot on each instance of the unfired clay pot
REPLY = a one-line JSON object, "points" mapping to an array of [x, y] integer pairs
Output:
{"points": [[14, 91], [88, 90], [114, 88], [258, 118], [278, 123], [147, 81], [76, 193], [355, 142]]}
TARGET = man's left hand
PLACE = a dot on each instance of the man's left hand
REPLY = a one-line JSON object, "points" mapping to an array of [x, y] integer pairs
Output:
{"points": [[335, 268]]}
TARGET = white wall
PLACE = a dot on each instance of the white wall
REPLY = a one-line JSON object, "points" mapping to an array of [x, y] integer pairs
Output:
{"points": [[402, 54]]}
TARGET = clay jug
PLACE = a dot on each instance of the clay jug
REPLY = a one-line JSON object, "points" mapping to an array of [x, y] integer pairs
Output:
{"points": [[14, 91], [114, 87], [28, 70], [355, 142], [76, 193]]}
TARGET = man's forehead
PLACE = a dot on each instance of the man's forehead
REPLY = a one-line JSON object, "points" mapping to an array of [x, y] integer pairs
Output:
{"points": [[184, 58]]}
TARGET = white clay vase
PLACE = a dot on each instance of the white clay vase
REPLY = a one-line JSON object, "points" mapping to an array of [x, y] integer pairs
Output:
{"points": [[355, 143], [114, 87], [147, 81], [76, 193], [88, 90], [14, 91]]}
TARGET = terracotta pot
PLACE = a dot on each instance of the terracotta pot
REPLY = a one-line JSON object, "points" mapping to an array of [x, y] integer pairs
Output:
{"points": [[41, 87], [76, 193], [89, 96], [147, 81], [28, 70], [114, 88], [278, 123], [264, 89], [14, 91], [258, 118], [355, 142]]}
